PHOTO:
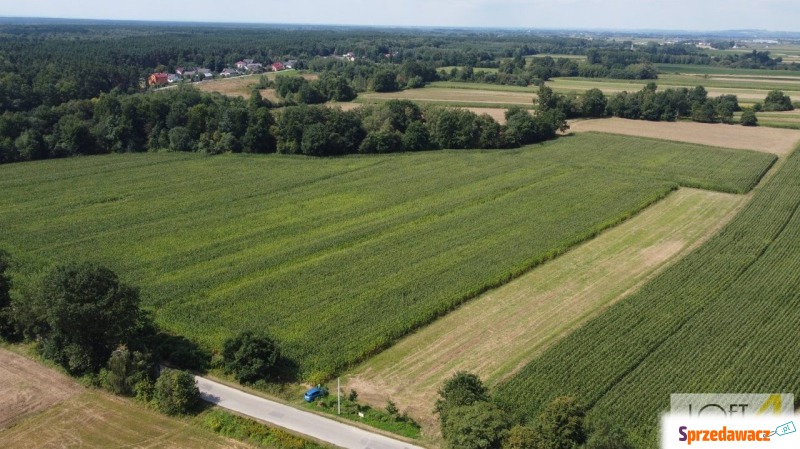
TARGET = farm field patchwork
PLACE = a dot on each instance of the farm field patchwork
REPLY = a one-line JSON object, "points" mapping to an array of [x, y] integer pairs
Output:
{"points": [[504, 329], [787, 119], [40, 408], [338, 258], [777, 141], [709, 323], [482, 95], [743, 91], [712, 70]]}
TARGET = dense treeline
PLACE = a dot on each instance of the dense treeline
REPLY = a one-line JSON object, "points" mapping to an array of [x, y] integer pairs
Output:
{"points": [[518, 72], [672, 104], [181, 119], [683, 53], [185, 119]]}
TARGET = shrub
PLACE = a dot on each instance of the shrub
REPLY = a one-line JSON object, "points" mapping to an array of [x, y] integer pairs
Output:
{"points": [[749, 118], [175, 392], [125, 369], [249, 356]]}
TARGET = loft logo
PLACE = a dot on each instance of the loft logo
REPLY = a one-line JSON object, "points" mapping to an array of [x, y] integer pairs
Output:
{"points": [[731, 405]]}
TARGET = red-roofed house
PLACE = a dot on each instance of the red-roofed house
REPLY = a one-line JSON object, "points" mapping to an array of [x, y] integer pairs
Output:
{"points": [[158, 79], [277, 67]]}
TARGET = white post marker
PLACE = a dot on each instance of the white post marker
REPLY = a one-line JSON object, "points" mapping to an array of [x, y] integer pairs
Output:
{"points": [[338, 397]]}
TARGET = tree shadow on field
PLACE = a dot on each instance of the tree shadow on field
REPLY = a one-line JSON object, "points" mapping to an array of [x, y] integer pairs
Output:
{"points": [[286, 370], [181, 352]]}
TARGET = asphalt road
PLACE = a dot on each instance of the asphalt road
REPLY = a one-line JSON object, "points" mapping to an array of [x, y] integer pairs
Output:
{"points": [[298, 421]]}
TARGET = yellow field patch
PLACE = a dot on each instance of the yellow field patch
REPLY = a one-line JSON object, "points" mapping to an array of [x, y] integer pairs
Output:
{"points": [[769, 140], [27, 388], [41, 408], [440, 94]]}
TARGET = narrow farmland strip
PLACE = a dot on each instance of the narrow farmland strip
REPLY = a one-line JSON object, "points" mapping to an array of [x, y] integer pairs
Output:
{"points": [[709, 324]]}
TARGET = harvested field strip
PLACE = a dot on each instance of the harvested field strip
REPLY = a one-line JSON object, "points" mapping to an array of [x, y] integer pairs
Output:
{"points": [[745, 95], [445, 95], [503, 329], [775, 141], [27, 388], [97, 420], [709, 323], [41, 408], [711, 70]]}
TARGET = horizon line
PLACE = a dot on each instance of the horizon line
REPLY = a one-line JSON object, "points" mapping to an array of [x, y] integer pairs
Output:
{"points": [[353, 25]]}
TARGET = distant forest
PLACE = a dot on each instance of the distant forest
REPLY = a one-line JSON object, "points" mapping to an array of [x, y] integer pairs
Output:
{"points": [[77, 88]]}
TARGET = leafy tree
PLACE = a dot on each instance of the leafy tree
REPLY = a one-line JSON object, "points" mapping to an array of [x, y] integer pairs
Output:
{"points": [[256, 101], [257, 138], [73, 136], [384, 141], [698, 96], [521, 437], [520, 127], [31, 145], [175, 392], [309, 94], [561, 424], [125, 369], [385, 80], [546, 99], [335, 87], [180, 139], [461, 389], [594, 103], [480, 425], [315, 140], [704, 113], [777, 101], [81, 313], [548, 123], [250, 356], [749, 118], [416, 137]]}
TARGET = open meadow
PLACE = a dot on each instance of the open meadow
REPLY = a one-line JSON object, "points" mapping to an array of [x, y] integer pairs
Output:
{"points": [[41, 408], [339, 258]]}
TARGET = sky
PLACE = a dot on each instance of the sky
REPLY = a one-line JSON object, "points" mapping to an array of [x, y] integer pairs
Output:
{"points": [[694, 15]]}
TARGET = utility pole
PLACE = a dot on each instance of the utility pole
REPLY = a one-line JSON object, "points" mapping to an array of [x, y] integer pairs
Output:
{"points": [[338, 397]]}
